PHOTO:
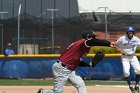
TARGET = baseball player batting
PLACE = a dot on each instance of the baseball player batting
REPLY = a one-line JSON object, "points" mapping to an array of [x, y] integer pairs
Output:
{"points": [[127, 44], [64, 68]]}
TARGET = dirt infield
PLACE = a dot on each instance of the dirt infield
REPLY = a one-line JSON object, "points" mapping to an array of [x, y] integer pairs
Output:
{"points": [[68, 89]]}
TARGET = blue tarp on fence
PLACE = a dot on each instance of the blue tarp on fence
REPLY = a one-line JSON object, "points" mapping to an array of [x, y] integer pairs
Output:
{"points": [[110, 67]]}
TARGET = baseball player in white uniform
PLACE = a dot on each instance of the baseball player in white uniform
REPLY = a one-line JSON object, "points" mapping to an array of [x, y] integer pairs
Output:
{"points": [[127, 45]]}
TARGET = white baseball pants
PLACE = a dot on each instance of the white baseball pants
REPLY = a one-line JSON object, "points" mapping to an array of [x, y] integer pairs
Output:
{"points": [[126, 61], [62, 75]]}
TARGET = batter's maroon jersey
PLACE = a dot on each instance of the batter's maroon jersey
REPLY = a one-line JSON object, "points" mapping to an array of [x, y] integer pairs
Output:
{"points": [[71, 56]]}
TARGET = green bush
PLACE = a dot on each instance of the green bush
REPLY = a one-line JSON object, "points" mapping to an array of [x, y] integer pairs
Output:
{"points": [[138, 50], [107, 50]]}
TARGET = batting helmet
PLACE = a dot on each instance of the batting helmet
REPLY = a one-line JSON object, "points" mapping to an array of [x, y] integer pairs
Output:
{"points": [[87, 34], [130, 29]]}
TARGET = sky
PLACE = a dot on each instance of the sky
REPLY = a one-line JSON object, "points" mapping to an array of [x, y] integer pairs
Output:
{"points": [[111, 5]]}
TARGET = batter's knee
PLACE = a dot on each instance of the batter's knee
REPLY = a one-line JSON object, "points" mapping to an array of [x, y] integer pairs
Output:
{"points": [[80, 85], [126, 74], [137, 71]]}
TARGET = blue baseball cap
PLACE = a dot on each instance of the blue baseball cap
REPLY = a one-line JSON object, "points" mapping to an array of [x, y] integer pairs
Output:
{"points": [[130, 29]]}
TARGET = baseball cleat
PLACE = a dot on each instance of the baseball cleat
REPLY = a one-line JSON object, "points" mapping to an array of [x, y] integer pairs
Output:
{"points": [[137, 88], [40, 90], [132, 89]]}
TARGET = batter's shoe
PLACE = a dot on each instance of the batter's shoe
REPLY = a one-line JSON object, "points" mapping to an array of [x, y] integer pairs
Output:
{"points": [[132, 89], [137, 88], [42, 91]]}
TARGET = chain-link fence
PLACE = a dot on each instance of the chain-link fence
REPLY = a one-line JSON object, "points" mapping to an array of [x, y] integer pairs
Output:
{"points": [[42, 32]]}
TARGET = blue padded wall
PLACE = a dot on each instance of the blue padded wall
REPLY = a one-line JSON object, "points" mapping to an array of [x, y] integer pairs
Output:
{"points": [[110, 67]]}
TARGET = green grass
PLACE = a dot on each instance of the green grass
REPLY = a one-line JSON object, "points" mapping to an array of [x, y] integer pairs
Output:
{"points": [[104, 82], [26, 82], [50, 82]]}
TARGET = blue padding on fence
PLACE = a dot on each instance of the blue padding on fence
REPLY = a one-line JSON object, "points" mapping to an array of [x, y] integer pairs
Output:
{"points": [[13, 68], [110, 67], [40, 69]]}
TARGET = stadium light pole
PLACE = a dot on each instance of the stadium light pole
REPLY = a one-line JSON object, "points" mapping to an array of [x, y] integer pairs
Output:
{"points": [[52, 12], [2, 13], [18, 38], [106, 23]]}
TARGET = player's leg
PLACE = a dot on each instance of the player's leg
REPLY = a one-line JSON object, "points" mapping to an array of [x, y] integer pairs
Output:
{"points": [[126, 71], [78, 82], [60, 76], [137, 83], [136, 66]]}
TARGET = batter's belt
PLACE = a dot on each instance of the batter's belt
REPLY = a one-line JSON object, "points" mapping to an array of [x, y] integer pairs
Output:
{"points": [[62, 64], [128, 55]]}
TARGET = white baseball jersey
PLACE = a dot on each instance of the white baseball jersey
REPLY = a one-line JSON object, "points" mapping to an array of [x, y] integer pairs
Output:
{"points": [[128, 46]]}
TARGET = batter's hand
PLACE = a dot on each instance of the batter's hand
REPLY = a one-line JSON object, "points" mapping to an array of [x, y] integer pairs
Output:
{"points": [[112, 44], [118, 48]]}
